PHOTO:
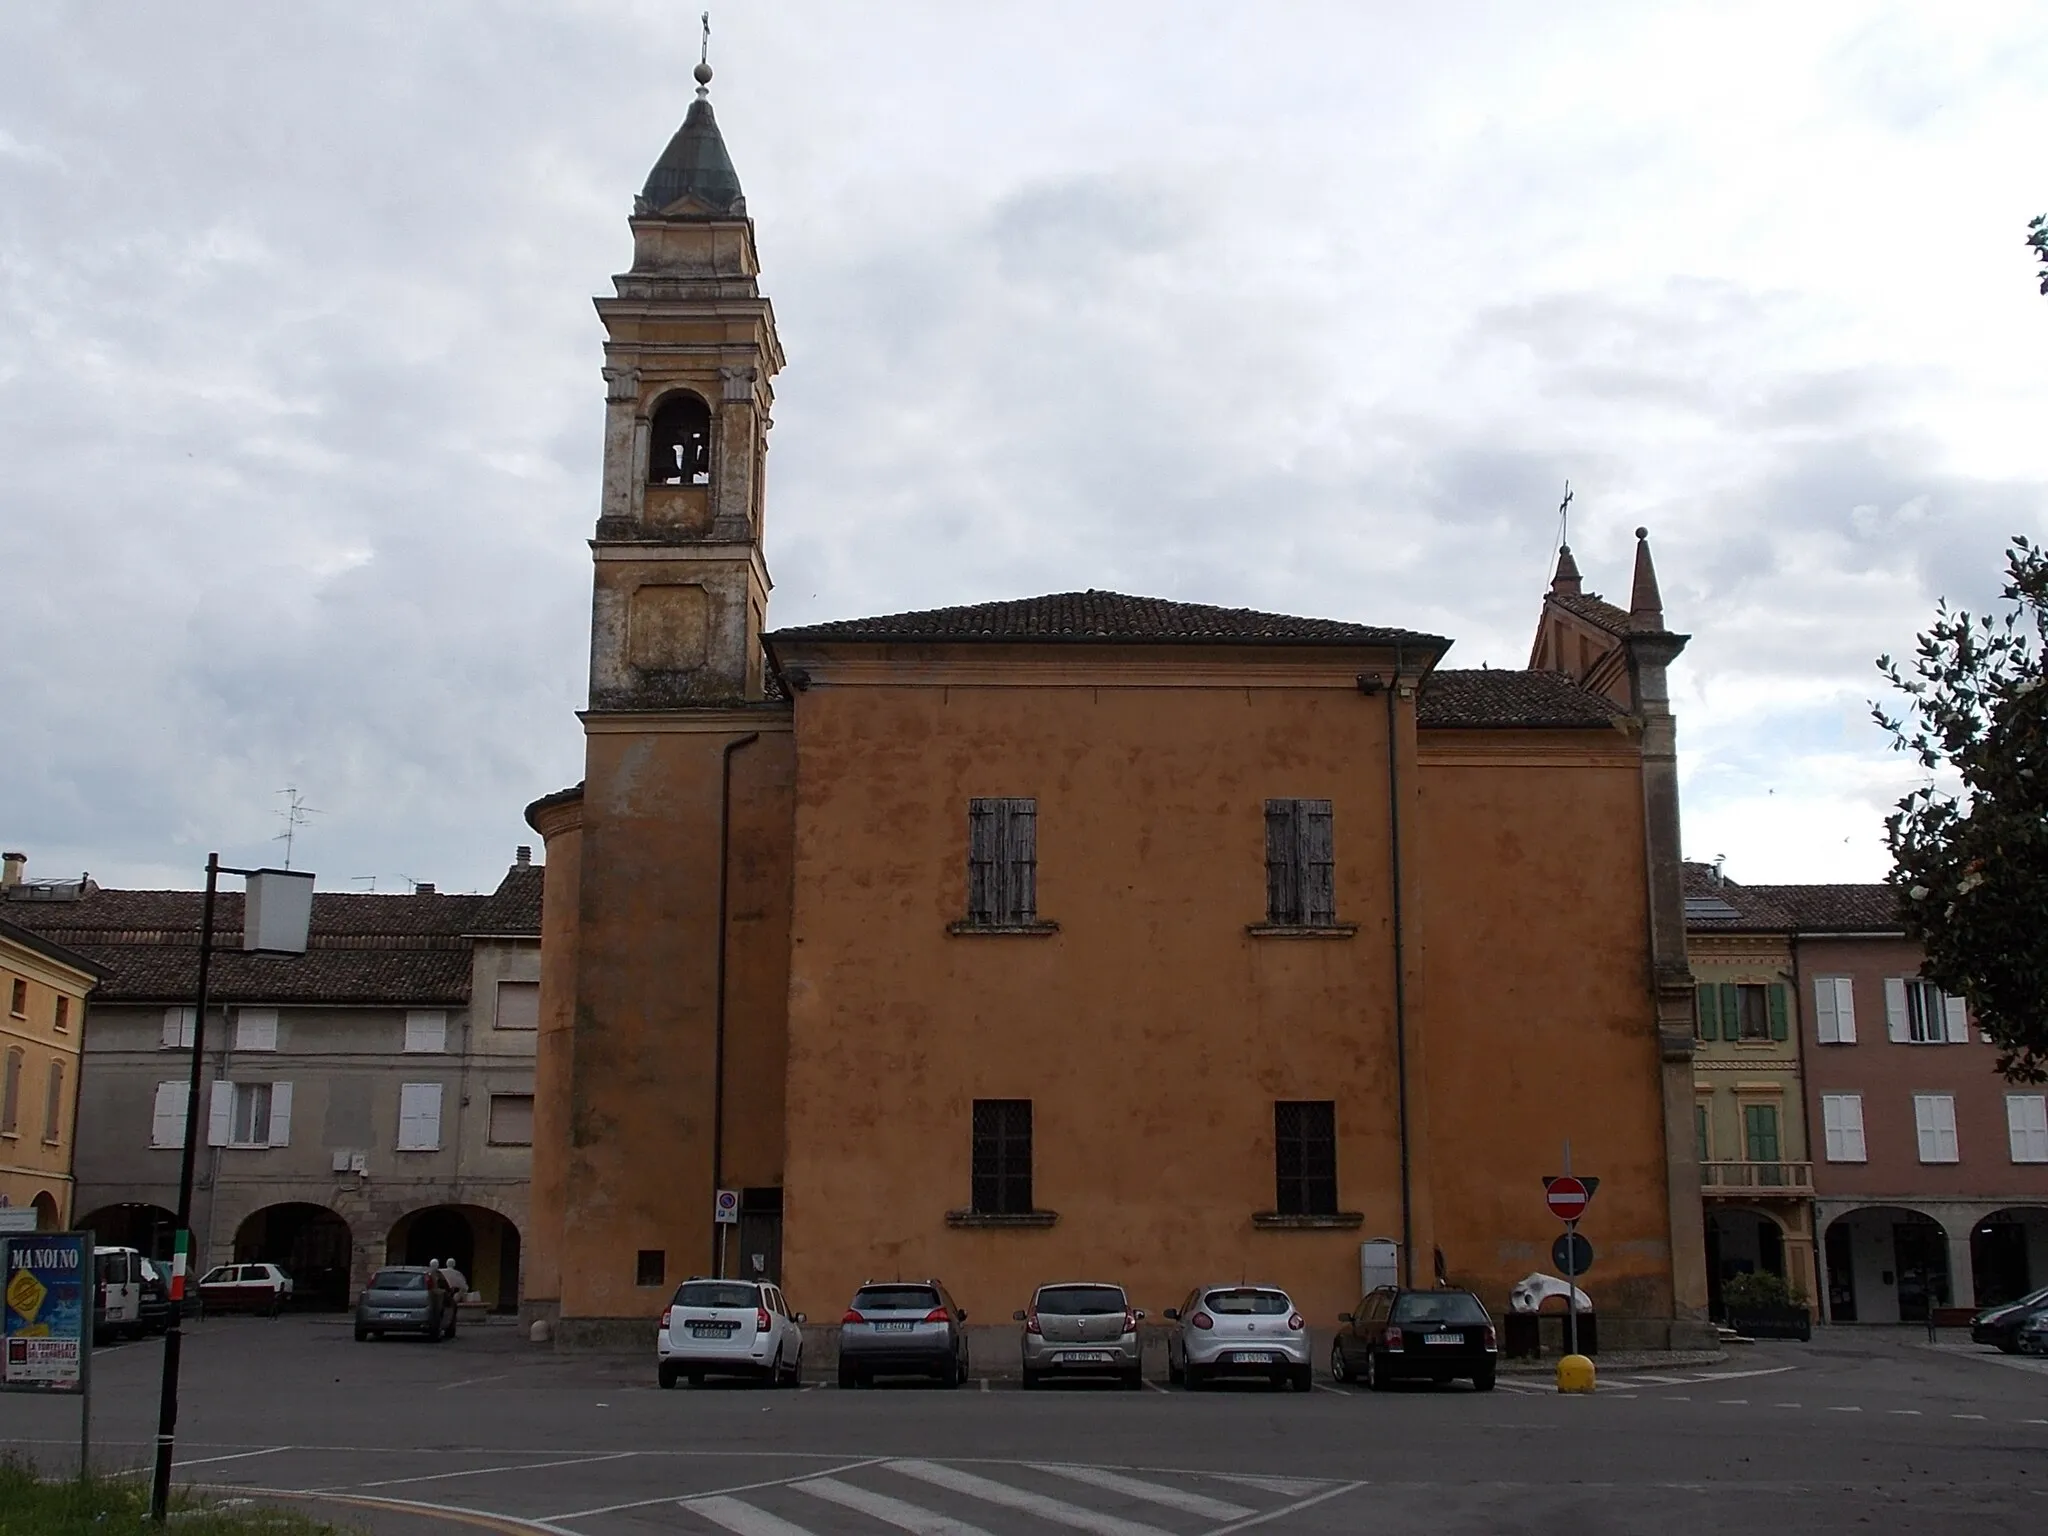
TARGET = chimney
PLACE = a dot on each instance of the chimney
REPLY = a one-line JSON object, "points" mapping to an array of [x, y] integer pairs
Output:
{"points": [[522, 855], [423, 888], [10, 869]]}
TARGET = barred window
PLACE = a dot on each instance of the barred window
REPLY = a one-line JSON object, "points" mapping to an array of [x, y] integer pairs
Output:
{"points": [[1301, 890], [1002, 1157], [1002, 862], [1305, 1156]]}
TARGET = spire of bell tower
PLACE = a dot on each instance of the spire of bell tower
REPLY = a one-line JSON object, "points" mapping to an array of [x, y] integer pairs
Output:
{"points": [[682, 585]]}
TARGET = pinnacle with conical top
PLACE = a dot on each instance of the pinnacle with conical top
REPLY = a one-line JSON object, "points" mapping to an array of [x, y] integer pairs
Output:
{"points": [[1566, 582], [1645, 602], [694, 169]]}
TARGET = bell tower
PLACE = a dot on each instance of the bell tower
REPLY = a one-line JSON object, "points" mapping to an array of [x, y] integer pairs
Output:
{"points": [[681, 584]]}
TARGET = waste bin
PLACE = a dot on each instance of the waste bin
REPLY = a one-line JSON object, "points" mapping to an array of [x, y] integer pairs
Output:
{"points": [[1524, 1341]]}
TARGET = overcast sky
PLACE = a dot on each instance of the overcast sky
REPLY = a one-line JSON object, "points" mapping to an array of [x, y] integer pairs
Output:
{"points": [[1303, 307]]}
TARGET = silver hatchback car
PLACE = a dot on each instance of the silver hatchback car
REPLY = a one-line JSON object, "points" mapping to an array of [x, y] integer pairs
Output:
{"points": [[1082, 1330], [1238, 1330]]}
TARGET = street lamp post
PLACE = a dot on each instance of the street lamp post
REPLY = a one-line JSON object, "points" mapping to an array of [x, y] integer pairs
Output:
{"points": [[277, 913]]}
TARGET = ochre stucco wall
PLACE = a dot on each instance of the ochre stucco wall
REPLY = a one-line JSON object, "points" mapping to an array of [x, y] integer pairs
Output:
{"points": [[561, 826]]}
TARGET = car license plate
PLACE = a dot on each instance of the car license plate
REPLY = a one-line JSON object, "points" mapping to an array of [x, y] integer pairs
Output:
{"points": [[1443, 1338], [893, 1327], [712, 1330], [1251, 1357], [392, 1314], [1085, 1356]]}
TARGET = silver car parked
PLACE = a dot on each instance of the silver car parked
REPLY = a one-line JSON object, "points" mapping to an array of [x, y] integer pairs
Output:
{"points": [[1080, 1329], [1238, 1330]]}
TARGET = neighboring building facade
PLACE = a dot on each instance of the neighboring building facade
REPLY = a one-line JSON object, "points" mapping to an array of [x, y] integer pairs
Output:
{"points": [[1929, 1170], [368, 1102], [43, 989], [1750, 1127], [1080, 935]]}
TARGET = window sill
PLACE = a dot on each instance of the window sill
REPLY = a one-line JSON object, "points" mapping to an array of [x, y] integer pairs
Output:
{"points": [[1001, 1219], [1274, 1221], [1301, 930], [1037, 930]]}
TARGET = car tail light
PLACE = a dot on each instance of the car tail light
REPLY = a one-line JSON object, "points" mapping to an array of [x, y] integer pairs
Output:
{"points": [[1130, 1321], [1294, 1322], [760, 1319], [1492, 1338], [665, 1311], [851, 1317], [1393, 1338], [937, 1315], [1031, 1322], [1203, 1320]]}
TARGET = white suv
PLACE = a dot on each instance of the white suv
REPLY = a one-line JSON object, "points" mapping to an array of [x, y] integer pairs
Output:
{"points": [[729, 1328]]}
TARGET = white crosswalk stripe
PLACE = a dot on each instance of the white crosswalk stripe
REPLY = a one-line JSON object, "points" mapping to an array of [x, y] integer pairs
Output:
{"points": [[1157, 1493], [1058, 1511], [1288, 1487], [742, 1518], [897, 1512]]}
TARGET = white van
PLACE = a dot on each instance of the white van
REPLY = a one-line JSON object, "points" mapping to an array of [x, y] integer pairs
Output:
{"points": [[117, 1295]]}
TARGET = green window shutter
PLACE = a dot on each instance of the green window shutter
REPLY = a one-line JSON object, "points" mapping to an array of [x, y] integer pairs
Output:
{"points": [[1705, 1012], [1761, 1124], [1780, 1025], [1731, 1011]]}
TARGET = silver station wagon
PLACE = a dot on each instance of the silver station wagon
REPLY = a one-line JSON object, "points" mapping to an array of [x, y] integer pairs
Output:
{"points": [[1082, 1330]]}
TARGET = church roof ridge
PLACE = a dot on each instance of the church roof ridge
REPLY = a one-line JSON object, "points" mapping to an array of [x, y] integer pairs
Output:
{"points": [[1098, 617]]}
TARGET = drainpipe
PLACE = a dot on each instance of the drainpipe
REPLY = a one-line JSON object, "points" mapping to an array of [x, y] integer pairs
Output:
{"points": [[718, 1028], [1370, 685]]}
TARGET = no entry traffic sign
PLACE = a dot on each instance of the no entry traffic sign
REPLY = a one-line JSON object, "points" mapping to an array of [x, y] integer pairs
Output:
{"points": [[1566, 1197]]}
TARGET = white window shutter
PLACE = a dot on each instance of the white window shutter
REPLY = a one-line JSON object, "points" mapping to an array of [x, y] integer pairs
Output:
{"points": [[2026, 1124], [255, 1029], [167, 1123], [1895, 1009], [280, 1114], [419, 1117], [177, 1028], [426, 1031], [1852, 1128], [1957, 1016], [221, 1115], [1845, 1011], [1827, 1027], [1831, 1124]]}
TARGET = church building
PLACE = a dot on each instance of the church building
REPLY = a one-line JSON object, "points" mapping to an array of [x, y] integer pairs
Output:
{"points": [[1083, 936]]}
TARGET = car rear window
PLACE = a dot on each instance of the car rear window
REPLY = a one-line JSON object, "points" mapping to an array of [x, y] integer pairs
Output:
{"points": [[715, 1293], [1248, 1303], [398, 1280], [1080, 1300], [895, 1298], [1440, 1307]]}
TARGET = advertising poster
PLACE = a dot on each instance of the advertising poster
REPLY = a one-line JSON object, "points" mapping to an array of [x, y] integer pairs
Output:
{"points": [[45, 1311]]}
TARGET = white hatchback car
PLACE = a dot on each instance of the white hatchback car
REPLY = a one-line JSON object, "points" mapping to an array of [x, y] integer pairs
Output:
{"points": [[1238, 1330], [729, 1328]]}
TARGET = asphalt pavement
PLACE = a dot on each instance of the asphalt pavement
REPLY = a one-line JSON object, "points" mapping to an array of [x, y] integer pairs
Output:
{"points": [[1864, 1430]]}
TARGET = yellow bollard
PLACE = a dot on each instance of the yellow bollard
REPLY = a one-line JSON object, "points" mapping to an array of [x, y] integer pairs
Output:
{"points": [[1574, 1374]]}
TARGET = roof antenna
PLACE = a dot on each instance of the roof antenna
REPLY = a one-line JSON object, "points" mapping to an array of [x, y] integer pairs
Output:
{"points": [[296, 813], [703, 69]]}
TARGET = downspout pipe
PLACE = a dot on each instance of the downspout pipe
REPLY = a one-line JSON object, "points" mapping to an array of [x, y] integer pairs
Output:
{"points": [[718, 1014], [1370, 685]]}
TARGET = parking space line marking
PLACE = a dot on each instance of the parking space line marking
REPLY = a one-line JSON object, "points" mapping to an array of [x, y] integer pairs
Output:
{"points": [[985, 1385], [508, 1525], [1156, 1387], [1977, 1416], [473, 1381], [879, 1506], [1155, 1493], [1784, 1405], [684, 1498], [989, 1491], [743, 1519], [1286, 1487], [1908, 1412], [268, 1450], [1837, 1408], [1734, 1402], [529, 1466], [2034, 1421], [1774, 1370], [1287, 1509]]}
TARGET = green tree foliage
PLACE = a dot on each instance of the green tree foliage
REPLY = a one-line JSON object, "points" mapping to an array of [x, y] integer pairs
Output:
{"points": [[2037, 237], [1971, 867]]}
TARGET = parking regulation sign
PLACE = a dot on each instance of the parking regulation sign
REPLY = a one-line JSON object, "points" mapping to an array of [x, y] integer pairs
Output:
{"points": [[45, 1311], [726, 1208]]}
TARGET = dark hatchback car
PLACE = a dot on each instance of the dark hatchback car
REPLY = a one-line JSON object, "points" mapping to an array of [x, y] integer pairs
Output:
{"points": [[156, 1297], [2001, 1325], [406, 1299], [1398, 1335], [902, 1328]]}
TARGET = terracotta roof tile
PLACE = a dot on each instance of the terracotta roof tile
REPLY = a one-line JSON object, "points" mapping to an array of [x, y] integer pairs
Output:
{"points": [[1719, 905], [1455, 699], [1594, 608], [1107, 618]]}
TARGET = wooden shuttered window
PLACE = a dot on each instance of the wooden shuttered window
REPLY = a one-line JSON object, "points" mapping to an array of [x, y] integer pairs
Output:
{"points": [[1841, 1117], [1934, 1118], [1728, 1010], [1002, 1157], [1002, 862], [1305, 1156], [1301, 864], [2026, 1126]]}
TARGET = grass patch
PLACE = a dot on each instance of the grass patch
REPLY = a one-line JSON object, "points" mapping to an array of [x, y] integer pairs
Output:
{"points": [[119, 1506]]}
